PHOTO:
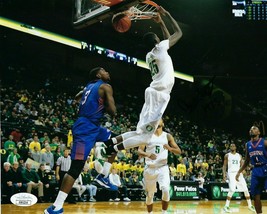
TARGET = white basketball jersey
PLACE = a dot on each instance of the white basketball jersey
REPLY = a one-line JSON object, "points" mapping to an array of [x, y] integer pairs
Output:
{"points": [[233, 162], [155, 146], [161, 67]]}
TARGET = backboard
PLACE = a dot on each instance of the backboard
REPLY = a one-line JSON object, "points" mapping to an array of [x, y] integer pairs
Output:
{"points": [[88, 12]]}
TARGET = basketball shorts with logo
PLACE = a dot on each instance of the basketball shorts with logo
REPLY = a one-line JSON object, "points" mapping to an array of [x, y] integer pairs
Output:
{"points": [[152, 175], [85, 135]]}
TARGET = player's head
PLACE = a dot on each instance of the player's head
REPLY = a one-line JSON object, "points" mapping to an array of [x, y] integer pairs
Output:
{"points": [[161, 124], [254, 131], [150, 39], [232, 147], [99, 73]]}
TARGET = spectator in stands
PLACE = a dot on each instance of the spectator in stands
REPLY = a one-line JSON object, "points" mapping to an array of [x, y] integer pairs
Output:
{"points": [[23, 149], [173, 172], [201, 182], [87, 182], [36, 154], [57, 153], [35, 143], [114, 179], [19, 185], [6, 182], [181, 169], [80, 188], [9, 145], [22, 165], [13, 156], [134, 181], [39, 121], [49, 189], [17, 135], [45, 137], [211, 175], [47, 157], [33, 181]]}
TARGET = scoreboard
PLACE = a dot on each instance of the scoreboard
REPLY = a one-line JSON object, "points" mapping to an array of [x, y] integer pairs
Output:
{"points": [[250, 9]]}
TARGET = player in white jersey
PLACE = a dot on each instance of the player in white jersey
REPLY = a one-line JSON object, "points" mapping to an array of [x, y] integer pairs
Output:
{"points": [[232, 162], [157, 95], [156, 167]]}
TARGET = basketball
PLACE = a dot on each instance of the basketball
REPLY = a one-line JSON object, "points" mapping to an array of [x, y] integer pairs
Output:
{"points": [[121, 22]]}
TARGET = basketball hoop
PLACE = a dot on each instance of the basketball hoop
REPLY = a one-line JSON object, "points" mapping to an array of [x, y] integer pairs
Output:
{"points": [[144, 10]]}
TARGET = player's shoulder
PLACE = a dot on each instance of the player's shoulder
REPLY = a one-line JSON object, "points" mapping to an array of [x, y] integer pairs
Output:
{"points": [[164, 44]]}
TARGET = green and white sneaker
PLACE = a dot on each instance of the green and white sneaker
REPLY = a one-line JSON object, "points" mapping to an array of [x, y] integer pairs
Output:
{"points": [[226, 209], [252, 208]]}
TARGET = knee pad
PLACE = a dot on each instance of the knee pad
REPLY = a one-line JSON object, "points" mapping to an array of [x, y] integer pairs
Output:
{"points": [[76, 168], [149, 198], [165, 194], [230, 193]]}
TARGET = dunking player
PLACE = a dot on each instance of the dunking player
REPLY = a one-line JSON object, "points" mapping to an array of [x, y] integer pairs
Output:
{"points": [[156, 168], [256, 154], [232, 161], [96, 97], [157, 95]]}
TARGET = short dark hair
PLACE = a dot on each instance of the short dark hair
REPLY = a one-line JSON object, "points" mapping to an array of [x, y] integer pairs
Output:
{"points": [[149, 39], [93, 73]]}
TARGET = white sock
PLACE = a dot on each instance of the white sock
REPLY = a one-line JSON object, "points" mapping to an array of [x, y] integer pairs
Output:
{"points": [[227, 203], [116, 148], [114, 140], [61, 197], [249, 202]]}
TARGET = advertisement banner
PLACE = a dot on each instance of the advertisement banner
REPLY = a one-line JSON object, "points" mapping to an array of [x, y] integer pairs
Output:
{"points": [[180, 190], [219, 191]]}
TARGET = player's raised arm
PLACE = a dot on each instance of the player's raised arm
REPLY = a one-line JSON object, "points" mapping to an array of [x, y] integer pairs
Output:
{"points": [[173, 38]]}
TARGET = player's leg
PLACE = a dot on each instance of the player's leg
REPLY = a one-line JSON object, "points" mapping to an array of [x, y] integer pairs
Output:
{"points": [[150, 186], [256, 188], [232, 186], [102, 163], [84, 135], [164, 184], [243, 185]]}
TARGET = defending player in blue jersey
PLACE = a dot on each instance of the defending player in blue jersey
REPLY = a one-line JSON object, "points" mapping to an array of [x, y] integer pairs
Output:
{"points": [[96, 98], [256, 154]]}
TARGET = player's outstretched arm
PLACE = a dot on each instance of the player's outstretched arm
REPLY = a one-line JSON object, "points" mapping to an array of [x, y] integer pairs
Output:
{"points": [[173, 38]]}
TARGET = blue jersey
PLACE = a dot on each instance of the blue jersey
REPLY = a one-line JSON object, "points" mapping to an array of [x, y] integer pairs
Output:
{"points": [[258, 158], [257, 152], [92, 105], [86, 129]]}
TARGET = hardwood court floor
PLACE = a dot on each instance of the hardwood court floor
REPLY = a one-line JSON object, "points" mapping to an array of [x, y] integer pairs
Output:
{"points": [[175, 207]]}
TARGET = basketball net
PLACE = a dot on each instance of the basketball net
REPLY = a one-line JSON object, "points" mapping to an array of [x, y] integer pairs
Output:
{"points": [[145, 10]]}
